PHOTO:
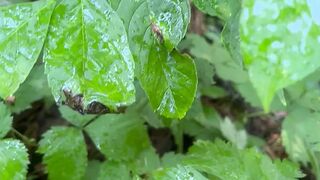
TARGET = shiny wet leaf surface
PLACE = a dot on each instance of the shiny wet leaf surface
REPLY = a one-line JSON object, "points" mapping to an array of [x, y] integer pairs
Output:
{"points": [[13, 159], [88, 56], [23, 30], [280, 44]]}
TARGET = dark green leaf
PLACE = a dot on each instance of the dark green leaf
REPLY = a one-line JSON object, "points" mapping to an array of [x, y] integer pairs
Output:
{"points": [[171, 88], [87, 53], [13, 160], [23, 29], [65, 153]]}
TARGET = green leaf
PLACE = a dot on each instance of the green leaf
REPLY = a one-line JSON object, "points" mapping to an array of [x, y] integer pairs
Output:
{"points": [[93, 170], [169, 79], [171, 88], [280, 43], [147, 161], [171, 159], [23, 29], [114, 170], [36, 82], [119, 137], [300, 134], [13, 160], [229, 11], [227, 162], [179, 172], [238, 138], [65, 153], [171, 19], [306, 92], [5, 120], [87, 53], [74, 117]]}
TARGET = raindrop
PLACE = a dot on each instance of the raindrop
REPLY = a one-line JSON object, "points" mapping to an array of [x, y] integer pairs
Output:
{"points": [[277, 45], [286, 63], [272, 58], [296, 26]]}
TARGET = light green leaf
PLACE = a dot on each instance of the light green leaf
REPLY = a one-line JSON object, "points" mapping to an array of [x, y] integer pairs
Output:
{"points": [[114, 170], [36, 82], [169, 79], [280, 44], [178, 172], [87, 53], [300, 134], [119, 137], [5, 120], [306, 92], [229, 11], [147, 161], [23, 29], [65, 153], [227, 162], [171, 19], [74, 117], [238, 138], [217, 55], [13, 160]]}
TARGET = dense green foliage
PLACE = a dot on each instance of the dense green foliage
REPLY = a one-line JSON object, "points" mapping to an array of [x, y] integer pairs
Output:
{"points": [[119, 68]]}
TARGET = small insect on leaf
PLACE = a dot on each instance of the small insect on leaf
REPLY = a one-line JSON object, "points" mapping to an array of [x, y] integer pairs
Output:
{"points": [[157, 32], [97, 108], [75, 102]]}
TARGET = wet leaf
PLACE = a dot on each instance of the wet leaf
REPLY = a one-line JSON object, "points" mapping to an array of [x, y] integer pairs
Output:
{"points": [[227, 162], [229, 11], [23, 29], [5, 120], [171, 19], [65, 153], [280, 44], [179, 172], [13, 160], [171, 87], [169, 79], [87, 54], [119, 137]]}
